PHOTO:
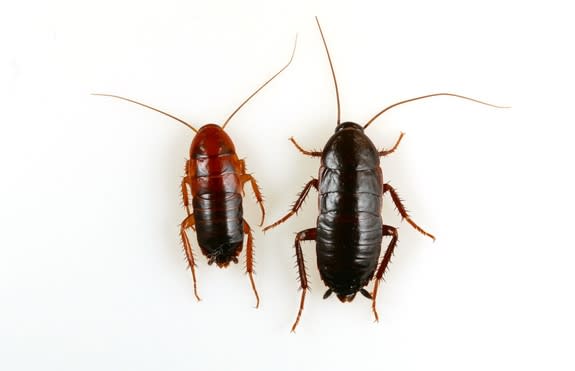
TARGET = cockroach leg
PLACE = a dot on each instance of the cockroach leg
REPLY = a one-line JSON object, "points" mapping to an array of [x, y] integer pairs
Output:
{"points": [[390, 151], [403, 211], [305, 152], [365, 293], [185, 198], [297, 205], [250, 260], [257, 192], [306, 235], [189, 223], [386, 230]]}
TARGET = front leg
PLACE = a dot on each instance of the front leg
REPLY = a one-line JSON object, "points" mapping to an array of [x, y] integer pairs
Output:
{"points": [[304, 151], [390, 151]]}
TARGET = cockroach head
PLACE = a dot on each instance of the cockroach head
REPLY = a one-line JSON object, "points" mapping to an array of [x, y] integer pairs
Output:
{"points": [[348, 126]]}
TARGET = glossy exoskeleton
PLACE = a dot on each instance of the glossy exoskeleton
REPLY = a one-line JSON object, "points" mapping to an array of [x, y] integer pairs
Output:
{"points": [[215, 177], [349, 228]]}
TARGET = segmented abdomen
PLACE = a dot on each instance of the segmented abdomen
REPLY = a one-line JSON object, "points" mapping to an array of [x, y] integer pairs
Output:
{"points": [[348, 227], [219, 223], [217, 205]]}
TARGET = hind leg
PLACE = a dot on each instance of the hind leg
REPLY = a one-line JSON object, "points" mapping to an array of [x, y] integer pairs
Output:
{"points": [[189, 222], [307, 235], [386, 230], [250, 260]]}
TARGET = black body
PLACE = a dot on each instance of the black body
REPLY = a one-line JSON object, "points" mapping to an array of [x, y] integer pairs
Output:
{"points": [[349, 224]]}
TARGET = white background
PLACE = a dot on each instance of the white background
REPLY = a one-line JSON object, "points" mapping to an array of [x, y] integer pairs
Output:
{"points": [[92, 275]]}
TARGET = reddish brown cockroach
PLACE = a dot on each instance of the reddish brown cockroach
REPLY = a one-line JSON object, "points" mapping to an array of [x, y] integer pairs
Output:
{"points": [[215, 177]]}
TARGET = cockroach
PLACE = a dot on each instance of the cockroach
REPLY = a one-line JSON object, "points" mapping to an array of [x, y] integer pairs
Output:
{"points": [[349, 229], [215, 177]]}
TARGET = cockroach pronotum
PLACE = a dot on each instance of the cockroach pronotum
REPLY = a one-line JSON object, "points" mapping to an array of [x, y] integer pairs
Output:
{"points": [[215, 177], [349, 227]]}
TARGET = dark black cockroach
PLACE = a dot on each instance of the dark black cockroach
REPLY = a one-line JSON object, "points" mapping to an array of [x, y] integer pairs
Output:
{"points": [[349, 227]]}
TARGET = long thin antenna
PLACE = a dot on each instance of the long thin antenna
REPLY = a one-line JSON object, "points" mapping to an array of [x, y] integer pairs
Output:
{"points": [[332, 72], [428, 96], [263, 86], [152, 108]]}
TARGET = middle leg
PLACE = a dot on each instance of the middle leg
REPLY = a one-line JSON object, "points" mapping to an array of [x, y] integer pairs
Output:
{"points": [[403, 211], [257, 192], [296, 206]]}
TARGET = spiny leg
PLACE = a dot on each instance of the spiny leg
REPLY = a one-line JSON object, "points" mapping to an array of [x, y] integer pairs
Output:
{"points": [[306, 235], [390, 151], [250, 260], [403, 211], [386, 230], [189, 223], [297, 205], [257, 192], [305, 152], [185, 196]]}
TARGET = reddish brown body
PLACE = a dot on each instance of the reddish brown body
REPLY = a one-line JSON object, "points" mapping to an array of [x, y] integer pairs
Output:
{"points": [[215, 177]]}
